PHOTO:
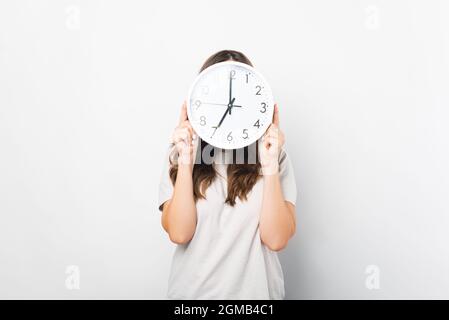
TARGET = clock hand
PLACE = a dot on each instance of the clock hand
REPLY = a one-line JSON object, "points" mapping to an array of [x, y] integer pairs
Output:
{"points": [[226, 112], [231, 101], [230, 87], [220, 104], [230, 105]]}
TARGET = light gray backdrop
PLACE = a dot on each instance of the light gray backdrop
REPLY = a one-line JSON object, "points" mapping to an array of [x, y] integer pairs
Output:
{"points": [[90, 91]]}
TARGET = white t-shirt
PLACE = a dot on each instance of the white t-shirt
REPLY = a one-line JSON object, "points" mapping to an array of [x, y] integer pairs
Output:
{"points": [[226, 258]]}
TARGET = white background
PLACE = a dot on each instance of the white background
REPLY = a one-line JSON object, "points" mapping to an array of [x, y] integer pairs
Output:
{"points": [[90, 91]]}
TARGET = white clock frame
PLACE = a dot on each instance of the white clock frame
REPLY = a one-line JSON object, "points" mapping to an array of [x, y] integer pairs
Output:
{"points": [[268, 115]]}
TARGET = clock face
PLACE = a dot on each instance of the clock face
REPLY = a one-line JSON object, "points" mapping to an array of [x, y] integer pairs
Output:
{"points": [[230, 105]]}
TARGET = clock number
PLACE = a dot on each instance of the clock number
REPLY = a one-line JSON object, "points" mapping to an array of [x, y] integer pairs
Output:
{"points": [[245, 133], [229, 137], [259, 88], [264, 107], [198, 103], [203, 120], [257, 124], [215, 129], [247, 77], [205, 90]]}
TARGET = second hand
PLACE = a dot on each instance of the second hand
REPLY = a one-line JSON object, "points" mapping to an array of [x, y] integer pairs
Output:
{"points": [[220, 104]]}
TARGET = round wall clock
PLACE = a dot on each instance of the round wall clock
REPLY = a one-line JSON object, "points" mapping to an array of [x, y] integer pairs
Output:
{"points": [[230, 105]]}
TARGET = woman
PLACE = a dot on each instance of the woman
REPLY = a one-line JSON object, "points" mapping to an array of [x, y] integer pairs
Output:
{"points": [[228, 220]]}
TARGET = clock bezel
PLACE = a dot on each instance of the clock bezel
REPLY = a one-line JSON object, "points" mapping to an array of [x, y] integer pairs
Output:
{"points": [[250, 69]]}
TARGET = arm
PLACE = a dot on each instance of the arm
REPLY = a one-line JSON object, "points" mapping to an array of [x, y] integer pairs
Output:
{"points": [[278, 218], [179, 213]]}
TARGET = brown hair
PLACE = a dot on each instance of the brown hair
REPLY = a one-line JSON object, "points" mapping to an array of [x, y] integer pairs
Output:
{"points": [[241, 177]]}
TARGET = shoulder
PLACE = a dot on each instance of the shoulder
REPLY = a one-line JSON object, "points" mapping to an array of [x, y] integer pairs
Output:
{"points": [[285, 164], [287, 176], [283, 156]]}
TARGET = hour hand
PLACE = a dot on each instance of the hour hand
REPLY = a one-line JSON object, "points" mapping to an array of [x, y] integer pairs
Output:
{"points": [[228, 110]]}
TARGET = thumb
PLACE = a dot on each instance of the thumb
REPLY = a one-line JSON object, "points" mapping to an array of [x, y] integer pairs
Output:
{"points": [[276, 115], [183, 115]]}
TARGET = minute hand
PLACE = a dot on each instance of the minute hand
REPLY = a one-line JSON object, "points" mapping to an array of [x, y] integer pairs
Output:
{"points": [[230, 88]]}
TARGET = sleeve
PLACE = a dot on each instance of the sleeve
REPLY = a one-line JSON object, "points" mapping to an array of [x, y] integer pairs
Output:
{"points": [[165, 184], [287, 177]]}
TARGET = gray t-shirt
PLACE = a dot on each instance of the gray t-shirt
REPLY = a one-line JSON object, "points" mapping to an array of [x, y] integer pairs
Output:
{"points": [[226, 258]]}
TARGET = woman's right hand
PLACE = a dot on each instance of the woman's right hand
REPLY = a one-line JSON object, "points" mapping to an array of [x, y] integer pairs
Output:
{"points": [[179, 217], [185, 139]]}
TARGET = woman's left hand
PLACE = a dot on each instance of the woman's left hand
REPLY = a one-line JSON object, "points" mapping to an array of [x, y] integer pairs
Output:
{"points": [[270, 146]]}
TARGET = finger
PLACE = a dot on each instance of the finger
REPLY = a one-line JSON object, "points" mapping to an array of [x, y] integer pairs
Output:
{"points": [[269, 130], [178, 138], [187, 134], [275, 132], [272, 141], [273, 128], [182, 135], [276, 115], [185, 138], [190, 135], [183, 115], [195, 143], [186, 125], [272, 136], [265, 144], [191, 130]]}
